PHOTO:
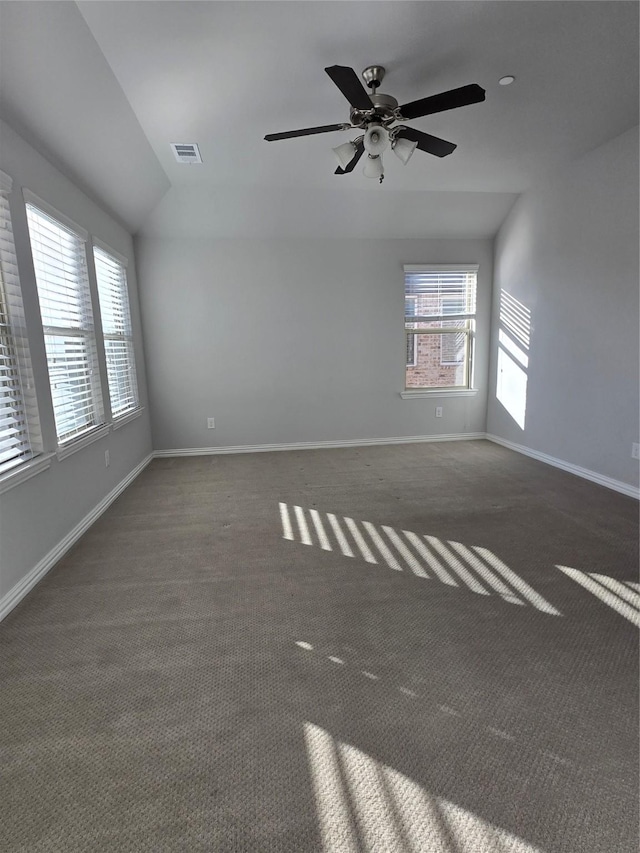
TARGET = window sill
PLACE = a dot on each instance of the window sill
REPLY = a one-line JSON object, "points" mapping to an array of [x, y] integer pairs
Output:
{"points": [[25, 471], [438, 392], [82, 441], [128, 416]]}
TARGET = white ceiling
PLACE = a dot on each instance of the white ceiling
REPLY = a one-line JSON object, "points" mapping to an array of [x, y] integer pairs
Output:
{"points": [[114, 83], [58, 91]]}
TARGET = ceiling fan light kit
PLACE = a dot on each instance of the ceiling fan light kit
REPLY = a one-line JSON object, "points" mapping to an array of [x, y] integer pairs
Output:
{"points": [[373, 167], [376, 139], [344, 153], [377, 114], [403, 148]]}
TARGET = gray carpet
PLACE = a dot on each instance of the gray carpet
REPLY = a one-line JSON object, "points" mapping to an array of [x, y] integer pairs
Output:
{"points": [[396, 665]]}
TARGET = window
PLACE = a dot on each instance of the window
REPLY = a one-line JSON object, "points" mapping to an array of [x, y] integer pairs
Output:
{"points": [[410, 311], [19, 433], [452, 346], [59, 259], [440, 313], [111, 275]]}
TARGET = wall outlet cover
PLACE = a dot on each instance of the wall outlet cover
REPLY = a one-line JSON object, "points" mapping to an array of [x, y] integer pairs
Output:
{"points": [[211, 423]]}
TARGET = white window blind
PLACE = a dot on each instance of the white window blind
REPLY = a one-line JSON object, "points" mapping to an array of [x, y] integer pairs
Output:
{"points": [[59, 259], [440, 312], [435, 290], [19, 433], [113, 293]]}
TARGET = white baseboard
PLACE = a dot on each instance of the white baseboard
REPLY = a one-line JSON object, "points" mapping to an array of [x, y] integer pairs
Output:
{"points": [[18, 592], [315, 445], [585, 473]]}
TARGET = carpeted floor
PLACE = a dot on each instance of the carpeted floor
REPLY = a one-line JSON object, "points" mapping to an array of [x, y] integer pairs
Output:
{"points": [[349, 651]]}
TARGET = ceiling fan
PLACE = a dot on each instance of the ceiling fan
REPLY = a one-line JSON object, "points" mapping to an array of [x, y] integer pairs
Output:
{"points": [[376, 114]]}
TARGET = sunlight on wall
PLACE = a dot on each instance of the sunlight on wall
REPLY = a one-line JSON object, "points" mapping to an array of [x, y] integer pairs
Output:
{"points": [[472, 567], [511, 387], [514, 337], [624, 598], [515, 318], [364, 806]]}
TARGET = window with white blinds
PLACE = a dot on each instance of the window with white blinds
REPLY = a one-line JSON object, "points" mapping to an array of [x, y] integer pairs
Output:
{"points": [[59, 259], [111, 275], [440, 314], [409, 311], [19, 433]]}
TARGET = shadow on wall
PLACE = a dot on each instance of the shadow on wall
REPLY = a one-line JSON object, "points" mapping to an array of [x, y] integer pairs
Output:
{"points": [[514, 335]]}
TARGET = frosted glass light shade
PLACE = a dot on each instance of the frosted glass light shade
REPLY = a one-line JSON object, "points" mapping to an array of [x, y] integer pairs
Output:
{"points": [[376, 139], [403, 149], [344, 153], [373, 167]]}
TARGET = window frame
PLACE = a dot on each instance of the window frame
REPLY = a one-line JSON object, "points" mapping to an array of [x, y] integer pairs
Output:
{"points": [[68, 442], [128, 337], [462, 331], [414, 348], [469, 332], [25, 418]]}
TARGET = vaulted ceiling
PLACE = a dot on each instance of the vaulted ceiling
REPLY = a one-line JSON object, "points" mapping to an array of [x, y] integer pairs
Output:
{"points": [[102, 88]]}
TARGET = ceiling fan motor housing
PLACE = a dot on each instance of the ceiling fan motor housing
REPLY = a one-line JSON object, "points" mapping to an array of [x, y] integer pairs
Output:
{"points": [[384, 111]]}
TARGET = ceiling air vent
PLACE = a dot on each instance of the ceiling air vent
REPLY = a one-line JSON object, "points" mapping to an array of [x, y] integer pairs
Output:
{"points": [[186, 152]]}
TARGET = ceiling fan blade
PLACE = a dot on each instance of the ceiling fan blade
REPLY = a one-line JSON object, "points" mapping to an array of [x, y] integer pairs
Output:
{"points": [[306, 131], [471, 94], [353, 162], [347, 81], [428, 143]]}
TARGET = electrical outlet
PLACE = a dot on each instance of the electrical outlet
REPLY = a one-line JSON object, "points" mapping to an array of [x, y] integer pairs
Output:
{"points": [[635, 450], [438, 411], [107, 460], [211, 423]]}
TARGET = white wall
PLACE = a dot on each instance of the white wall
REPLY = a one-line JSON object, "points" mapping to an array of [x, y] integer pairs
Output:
{"points": [[292, 340], [40, 512], [568, 251]]}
